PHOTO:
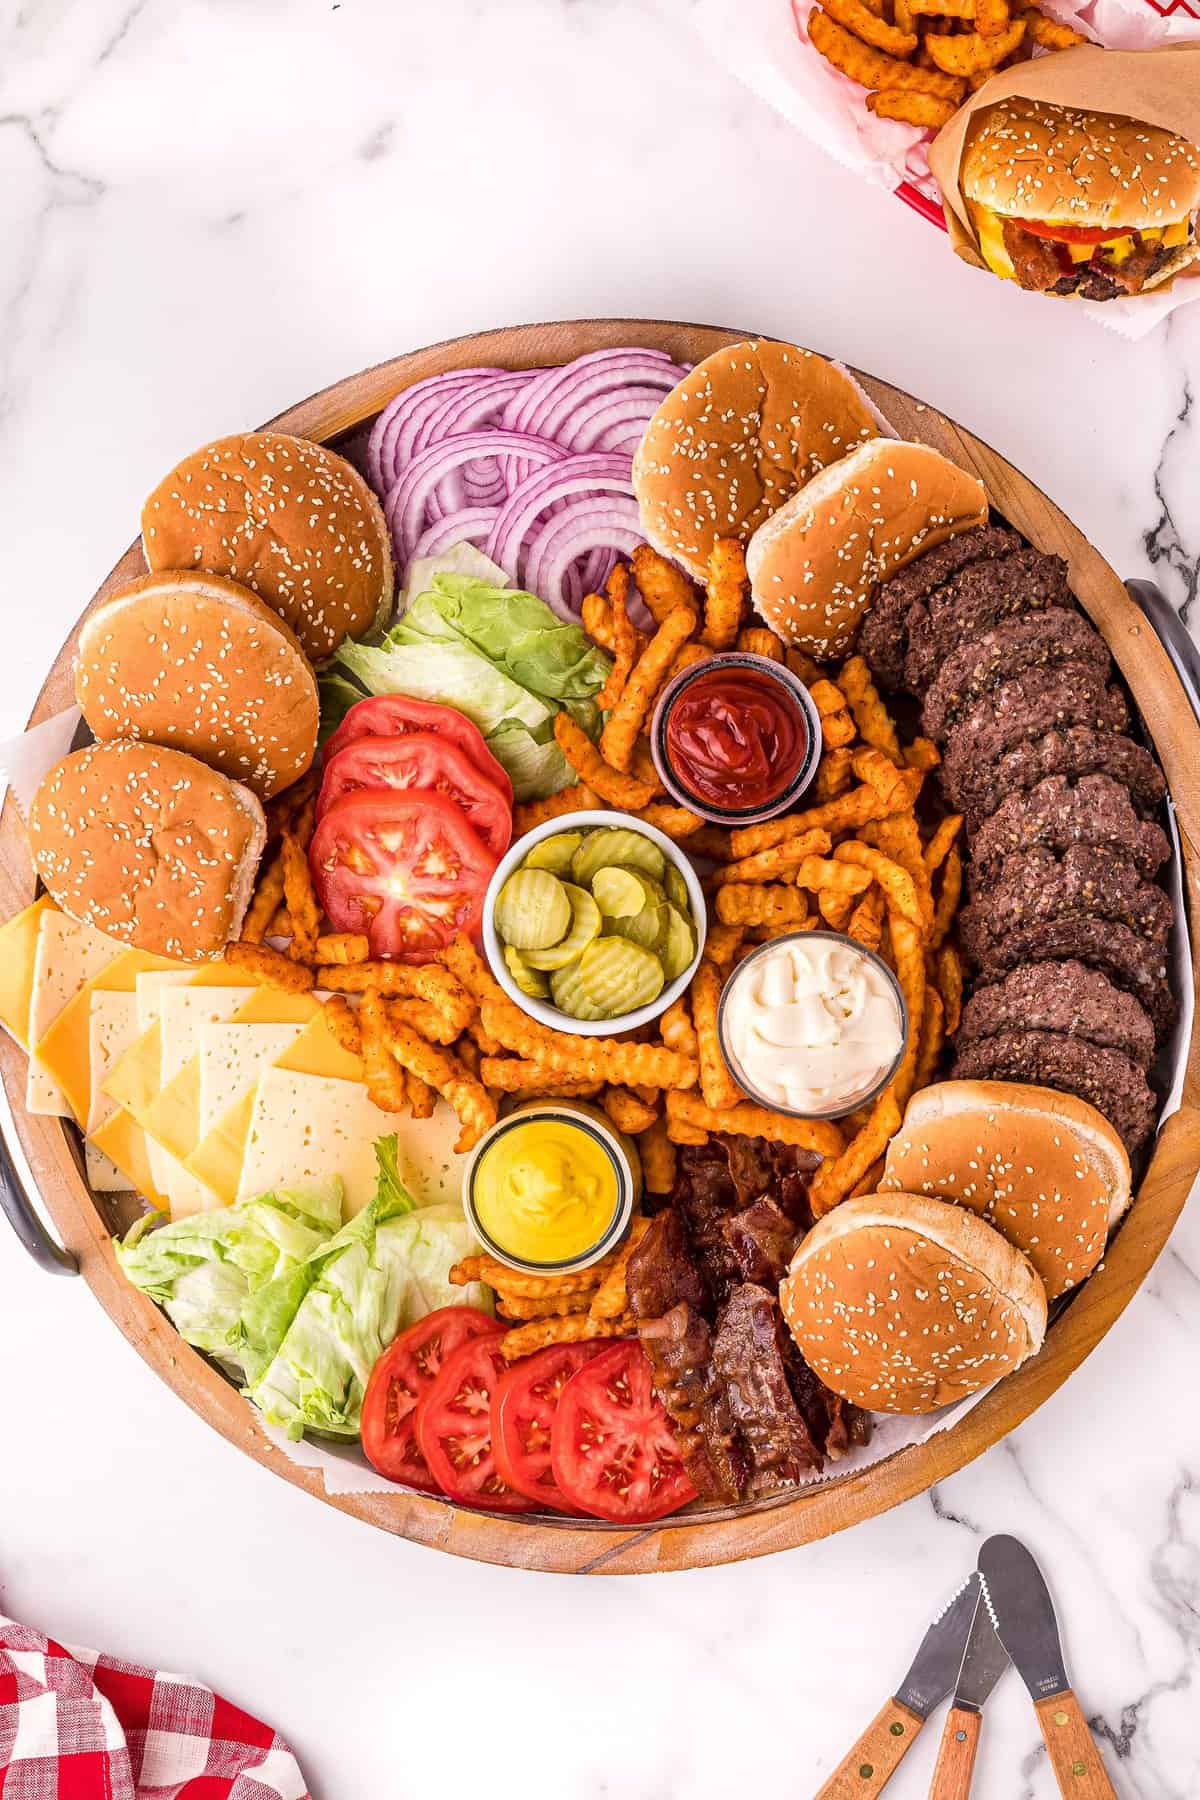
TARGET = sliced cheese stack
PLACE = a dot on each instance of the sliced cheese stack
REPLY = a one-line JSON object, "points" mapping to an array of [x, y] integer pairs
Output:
{"points": [[192, 1090]]}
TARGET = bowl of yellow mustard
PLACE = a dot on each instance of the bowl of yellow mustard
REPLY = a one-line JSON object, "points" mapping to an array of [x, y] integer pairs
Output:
{"points": [[552, 1187]]}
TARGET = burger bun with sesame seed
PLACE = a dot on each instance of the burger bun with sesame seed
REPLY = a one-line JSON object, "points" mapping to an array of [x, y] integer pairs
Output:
{"points": [[1044, 1168], [736, 438], [149, 846], [287, 518], [816, 565], [200, 664], [902, 1304], [1030, 167]]}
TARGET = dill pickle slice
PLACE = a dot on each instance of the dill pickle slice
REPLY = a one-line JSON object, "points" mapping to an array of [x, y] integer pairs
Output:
{"points": [[533, 910], [618, 977], [647, 929], [530, 981], [619, 893], [569, 997], [554, 853], [615, 844], [585, 925], [676, 888], [680, 946]]}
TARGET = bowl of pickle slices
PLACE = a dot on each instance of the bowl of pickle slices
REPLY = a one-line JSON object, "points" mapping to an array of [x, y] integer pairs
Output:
{"points": [[594, 923]]}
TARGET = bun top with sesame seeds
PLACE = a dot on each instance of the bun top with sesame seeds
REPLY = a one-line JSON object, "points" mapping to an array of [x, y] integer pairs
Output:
{"points": [[199, 663], [1046, 1169], [736, 438], [149, 846], [902, 1304], [1028, 159], [816, 565], [288, 519]]}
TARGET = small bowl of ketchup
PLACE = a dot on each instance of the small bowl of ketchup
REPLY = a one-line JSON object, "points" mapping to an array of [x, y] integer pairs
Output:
{"points": [[736, 739]]}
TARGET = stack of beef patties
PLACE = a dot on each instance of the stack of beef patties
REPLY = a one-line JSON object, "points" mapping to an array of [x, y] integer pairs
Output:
{"points": [[1066, 928], [750, 1415]]}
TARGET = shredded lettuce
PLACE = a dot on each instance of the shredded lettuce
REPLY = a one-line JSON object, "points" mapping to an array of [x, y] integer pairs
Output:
{"points": [[499, 656]]}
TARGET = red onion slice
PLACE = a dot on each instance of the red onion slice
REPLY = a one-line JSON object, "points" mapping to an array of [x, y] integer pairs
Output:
{"points": [[470, 526], [401, 416], [541, 490], [406, 504], [554, 393], [573, 533]]}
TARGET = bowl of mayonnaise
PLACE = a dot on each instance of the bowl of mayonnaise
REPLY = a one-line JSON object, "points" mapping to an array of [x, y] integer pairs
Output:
{"points": [[813, 1025]]}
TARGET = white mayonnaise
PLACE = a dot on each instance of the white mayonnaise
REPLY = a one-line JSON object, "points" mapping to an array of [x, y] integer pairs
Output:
{"points": [[812, 1023]]}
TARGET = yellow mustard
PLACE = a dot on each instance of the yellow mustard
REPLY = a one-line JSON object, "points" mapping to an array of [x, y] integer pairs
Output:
{"points": [[545, 1191]]}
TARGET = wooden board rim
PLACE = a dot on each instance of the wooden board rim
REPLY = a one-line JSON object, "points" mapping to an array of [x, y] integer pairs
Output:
{"points": [[714, 1538]]}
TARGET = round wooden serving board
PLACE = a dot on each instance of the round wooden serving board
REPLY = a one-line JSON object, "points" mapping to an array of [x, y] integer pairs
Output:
{"points": [[694, 1539]]}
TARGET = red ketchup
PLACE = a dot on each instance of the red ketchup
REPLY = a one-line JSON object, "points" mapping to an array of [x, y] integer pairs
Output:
{"points": [[736, 738]]}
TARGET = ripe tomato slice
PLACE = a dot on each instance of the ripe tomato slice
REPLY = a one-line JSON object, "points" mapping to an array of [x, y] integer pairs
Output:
{"points": [[403, 1374], [454, 1428], [524, 1402], [1071, 234], [406, 869], [612, 1447], [395, 715], [420, 761]]}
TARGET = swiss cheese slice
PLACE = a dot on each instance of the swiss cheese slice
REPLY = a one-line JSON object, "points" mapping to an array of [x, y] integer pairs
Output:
{"points": [[68, 955], [65, 1051], [18, 949], [310, 1127], [232, 1057], [112, 1030]]}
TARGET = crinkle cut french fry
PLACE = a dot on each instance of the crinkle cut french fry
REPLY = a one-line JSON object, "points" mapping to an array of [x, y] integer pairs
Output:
{"points": [[523, 1340], [942, 841], [300, 898], [632, 710], [677, 1030], [421, 981], [586, 1059], [530, 813], [753, 903], [933, 1038], [836, 1179], [342, 1021], [270, 967], [870, 67], [716, 1083], [724, 594], [779, 862], [675, 822], [596, 617], [627, 1112], [758, 640], [513, 1306], [625, 639], [268, 896], [342, 947], [948, 898], [874, 722], [872, 30], [658, 1158], [748, 1120], [609, 780], [498, 1275], [385, 1081], [662, 586], [950, 986], [440, 1070], [513, 1075]]}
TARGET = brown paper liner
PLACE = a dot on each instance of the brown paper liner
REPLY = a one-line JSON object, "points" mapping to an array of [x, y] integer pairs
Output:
{"points": [[1158, 87]]}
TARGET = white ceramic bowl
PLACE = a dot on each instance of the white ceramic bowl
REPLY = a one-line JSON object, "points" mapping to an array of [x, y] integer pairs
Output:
{"points": [[542, 1010]]}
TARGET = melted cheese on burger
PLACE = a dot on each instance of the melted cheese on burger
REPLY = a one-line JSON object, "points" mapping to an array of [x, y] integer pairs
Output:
{"points": [[989, 226]]}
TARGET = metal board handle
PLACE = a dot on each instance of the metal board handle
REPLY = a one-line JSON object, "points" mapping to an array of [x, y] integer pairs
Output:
{"points": [[17, 1208], [1172, 634]]}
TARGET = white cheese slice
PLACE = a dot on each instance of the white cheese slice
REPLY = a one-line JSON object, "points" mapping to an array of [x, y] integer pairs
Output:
{"points": [[184, 1011], [232, 1057], [103, 1175], [68, 955], [112, 1030], [310, 1127]]}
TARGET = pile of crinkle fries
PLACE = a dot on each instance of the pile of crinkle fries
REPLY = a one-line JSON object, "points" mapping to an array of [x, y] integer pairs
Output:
{"points": [[858, 860], [920, 57]]}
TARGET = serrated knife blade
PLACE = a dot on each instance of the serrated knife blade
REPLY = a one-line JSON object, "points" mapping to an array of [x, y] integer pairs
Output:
{"points": [[1017, 1598], [1018, 1601], [984, 1660], [935, 1667], [867, 1768]]}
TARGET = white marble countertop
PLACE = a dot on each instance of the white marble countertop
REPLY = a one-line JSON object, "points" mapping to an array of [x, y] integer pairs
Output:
{"points": [[209, 208]]}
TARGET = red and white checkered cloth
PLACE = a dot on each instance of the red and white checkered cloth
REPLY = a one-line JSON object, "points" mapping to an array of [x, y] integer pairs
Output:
{"points": [[75, 1725]]}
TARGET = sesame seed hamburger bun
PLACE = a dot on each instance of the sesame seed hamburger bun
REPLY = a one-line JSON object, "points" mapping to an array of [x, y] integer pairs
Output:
{"points": [[903, 1304], [1028, 163], [199, 663], [288, 519], [735, 439], [149, 846], [1045, 1169], [815, 566]]}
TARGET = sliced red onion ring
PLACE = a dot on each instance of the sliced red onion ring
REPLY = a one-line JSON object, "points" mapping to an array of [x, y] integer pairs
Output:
{"points": [[406, 411], [559, 407], [572, 475], [468, 408], [572, 534], [405, 509], [631, 408], [470, 526], [612, 368]]}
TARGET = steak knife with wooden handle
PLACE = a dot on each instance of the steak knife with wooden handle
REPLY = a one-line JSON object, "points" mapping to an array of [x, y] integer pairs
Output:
{"points": [[984, 1662], [870, 1765], [1022, 1611]]}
